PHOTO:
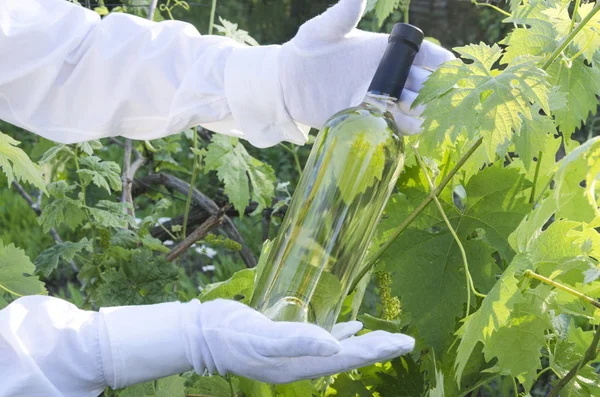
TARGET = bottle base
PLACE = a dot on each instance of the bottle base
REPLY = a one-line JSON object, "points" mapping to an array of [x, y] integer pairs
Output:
{"points": [[290, 308]]}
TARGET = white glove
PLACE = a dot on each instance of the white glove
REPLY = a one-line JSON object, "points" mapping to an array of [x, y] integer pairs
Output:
{"points": [[328, 66], [228, 337], [231, 338]]}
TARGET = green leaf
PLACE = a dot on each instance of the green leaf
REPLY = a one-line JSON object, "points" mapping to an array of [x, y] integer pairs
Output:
{"points": [[154, 244], [493, 313], [575, 202], [3, 303], [239, 287], [16, 272], [140, 279], [112, 215], [173, 386], [517, 344], [253, 388], [426, 265], [16, 164], [588, 39], [54, 151], [239, 171], [89, 146], [104, 174], [567, 352], [375, 324], [580, 84], [48, 260], [297, 389], [438, 390], [408, 381], [62, 209], [383, 9], [534, 137], [145, 389], [348, 387], [213, 386], [475, 100]]}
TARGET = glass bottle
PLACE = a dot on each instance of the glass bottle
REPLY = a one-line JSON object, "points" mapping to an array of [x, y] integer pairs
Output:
{"points": [[348, 178]]}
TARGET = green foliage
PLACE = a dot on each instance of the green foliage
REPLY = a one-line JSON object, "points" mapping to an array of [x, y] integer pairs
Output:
{"points": [[479, 101], [104, 174], [520, 207], [48, 260], [239, 171], [16, 273], [63, 209], [16, 165]]}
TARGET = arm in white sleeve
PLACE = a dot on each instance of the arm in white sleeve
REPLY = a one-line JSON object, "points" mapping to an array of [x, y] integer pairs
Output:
{"points": [[50, 348], [69, 76]]}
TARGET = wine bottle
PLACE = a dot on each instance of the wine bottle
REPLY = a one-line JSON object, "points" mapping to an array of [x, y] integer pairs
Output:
{"points": [[348, 178]]}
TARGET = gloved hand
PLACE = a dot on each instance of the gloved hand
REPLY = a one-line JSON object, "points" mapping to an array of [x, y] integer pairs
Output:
{"points": [[231, 338], [141, 343], [328, 66]]}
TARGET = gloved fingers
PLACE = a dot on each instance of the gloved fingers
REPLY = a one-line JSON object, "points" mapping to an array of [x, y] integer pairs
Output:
{"points": [[416, 78], [290, 339], [407, 125], [357, 352], [430, 56], [334, 23], [405, 104], [343, 331]]}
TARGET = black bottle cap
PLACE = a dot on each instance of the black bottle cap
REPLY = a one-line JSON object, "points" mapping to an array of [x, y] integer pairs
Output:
{"points": [[403, 44]]}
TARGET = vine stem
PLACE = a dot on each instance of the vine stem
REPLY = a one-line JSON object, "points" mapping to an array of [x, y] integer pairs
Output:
{"points": [[83, 186], [294, 153], [469, 279], [575, 12], [590, 354], [413, 215], [500, 10], [213, 11], [592, 301], [479, 384], [571, 36], [536, 176]]}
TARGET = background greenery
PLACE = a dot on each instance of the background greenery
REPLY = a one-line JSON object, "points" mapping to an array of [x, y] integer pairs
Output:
{"points": [[108, 256]]}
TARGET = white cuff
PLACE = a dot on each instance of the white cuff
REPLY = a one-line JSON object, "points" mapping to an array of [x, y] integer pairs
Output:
{"points": [[256, 99], [142, 343]]}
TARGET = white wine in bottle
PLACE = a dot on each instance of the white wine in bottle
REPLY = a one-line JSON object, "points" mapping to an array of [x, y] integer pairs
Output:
{"points": [[352, 169]]}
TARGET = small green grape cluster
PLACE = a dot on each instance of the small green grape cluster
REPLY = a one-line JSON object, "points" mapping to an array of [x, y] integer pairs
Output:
{"points": [[222, 241], [104, 237], [391, 307]]}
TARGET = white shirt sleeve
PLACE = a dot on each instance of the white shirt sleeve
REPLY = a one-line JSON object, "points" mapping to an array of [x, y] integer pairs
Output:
{"points": [[69, 76], [50, 348]]}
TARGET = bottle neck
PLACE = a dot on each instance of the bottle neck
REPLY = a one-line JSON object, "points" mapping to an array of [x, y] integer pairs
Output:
{"points": [[383, 102]]}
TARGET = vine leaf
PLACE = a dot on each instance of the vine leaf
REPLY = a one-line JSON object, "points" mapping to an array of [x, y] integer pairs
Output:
{"points": [[16, 272], [16, 164], [493, 313], [139, 279], [518, 342], [474, 99], [582, 164], [426, 265], [239, 287], [48, 260], [533, 137], [580, 83], [104, 174], [112, 214], [383, 9], [170, 387], [213, 386], [567, 352], [62, 209], [239, 171]]}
